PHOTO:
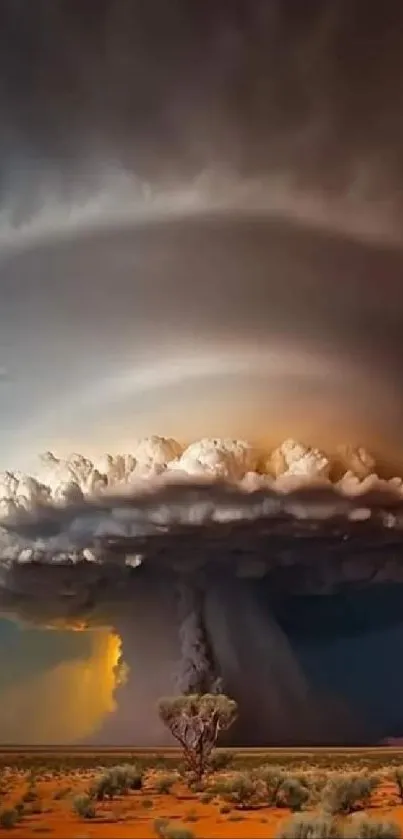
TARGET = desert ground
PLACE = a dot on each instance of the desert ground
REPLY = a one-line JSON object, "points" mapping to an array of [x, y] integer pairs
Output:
{"points": [[69, 794]]}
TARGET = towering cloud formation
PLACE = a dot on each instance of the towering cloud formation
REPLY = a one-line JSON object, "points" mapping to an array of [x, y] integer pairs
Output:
{"points": [[166, 543]]}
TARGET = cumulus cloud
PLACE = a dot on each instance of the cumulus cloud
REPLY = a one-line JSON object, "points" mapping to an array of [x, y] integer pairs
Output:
{"points": [[151, 503], [237, 462]]}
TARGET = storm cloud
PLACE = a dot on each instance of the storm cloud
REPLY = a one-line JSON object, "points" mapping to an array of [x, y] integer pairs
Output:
{"points": [[200, 236], [166, 546]]}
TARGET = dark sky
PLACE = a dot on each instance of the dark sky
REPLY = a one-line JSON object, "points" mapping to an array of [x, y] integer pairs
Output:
{"points": [[173, 87], [286, 110], [284, 317]]}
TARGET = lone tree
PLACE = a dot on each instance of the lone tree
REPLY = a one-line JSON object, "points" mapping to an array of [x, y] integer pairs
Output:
{"points": [[195, 721]]}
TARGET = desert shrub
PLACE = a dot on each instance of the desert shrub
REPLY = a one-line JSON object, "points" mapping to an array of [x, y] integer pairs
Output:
{"points": [[160, 825], [30, 795], [272, 778], [361, 826], [117, 781], [242, 790], [126, 777], [196, 721], [194, 786], [308, 826], [9, 818], [317, 782], [219, 787], [206, 797], [84, 807], [398, 778], [346, 793], [225, 809], [165, 830], [292, 793], [220, 761], [164, 783], [103, 787], [147, 803]]}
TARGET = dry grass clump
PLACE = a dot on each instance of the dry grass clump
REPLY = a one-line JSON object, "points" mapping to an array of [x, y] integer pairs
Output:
{"points": [[9, 818], [322, 826], [345, 793], [272, 777], [292, 794], [267, 786], [362, 826], [116, 781], [84, 807], [165, 830], [309, 826], [163, 783], [221, 760], [397, 776], [241, 789]]}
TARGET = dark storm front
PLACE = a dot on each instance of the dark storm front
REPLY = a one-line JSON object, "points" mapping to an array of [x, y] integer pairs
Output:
{"points": [[249, 616]]}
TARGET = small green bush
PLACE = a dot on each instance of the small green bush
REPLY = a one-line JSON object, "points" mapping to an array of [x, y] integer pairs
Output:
{"points": [[84, 807], [117, 781], [308, 826], [242, 789], [127, 777], [346, 793], [220, 761], [103, 787], [9, 818], [165, 830], [361, 826], [30, 795], [292, 793], [317, 782], [160, 825], [272, 778], [178, 832], [398, 778], [164, 783], [147, 803]]}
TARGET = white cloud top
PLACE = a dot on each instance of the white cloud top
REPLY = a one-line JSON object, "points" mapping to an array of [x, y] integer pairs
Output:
{"points": [[219, 459]]}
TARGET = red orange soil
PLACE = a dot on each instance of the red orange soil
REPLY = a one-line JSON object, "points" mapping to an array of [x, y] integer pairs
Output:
{"points": [[133, 816]]}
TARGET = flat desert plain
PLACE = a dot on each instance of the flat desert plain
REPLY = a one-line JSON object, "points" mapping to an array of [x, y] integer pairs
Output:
{"points": [[251, 793]]}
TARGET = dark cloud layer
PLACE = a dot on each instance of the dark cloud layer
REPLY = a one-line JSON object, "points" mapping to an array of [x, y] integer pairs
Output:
{"points": [[218, 566], [316, 535], [169, 88]]}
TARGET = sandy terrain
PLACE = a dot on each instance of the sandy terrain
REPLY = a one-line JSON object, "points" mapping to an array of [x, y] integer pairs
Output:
{"points": [[55, 778]]}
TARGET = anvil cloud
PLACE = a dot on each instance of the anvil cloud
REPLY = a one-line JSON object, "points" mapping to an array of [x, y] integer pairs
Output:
{"points": [[174, 537]]}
